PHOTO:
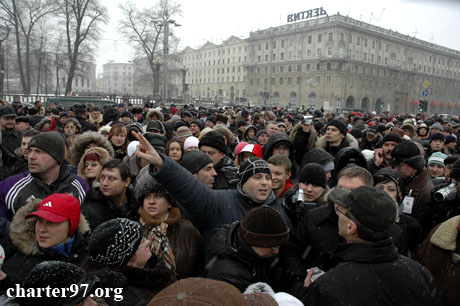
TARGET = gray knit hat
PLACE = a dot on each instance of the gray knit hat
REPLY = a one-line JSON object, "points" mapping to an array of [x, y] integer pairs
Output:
{"points": [[50, 142]]}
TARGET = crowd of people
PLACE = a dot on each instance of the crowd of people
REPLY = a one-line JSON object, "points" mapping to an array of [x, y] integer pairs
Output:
{"points": [[157, 205]]}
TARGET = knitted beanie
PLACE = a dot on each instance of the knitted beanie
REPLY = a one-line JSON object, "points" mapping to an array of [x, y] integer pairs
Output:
{"points": [[211, 118], [339, 124], [437, 158], [51, 143], [183, 132], [357, 133], [191, 141], [313, 174], [114, 242], [194, 160], [409, 153], [215, 140], [264, 227], [449, 139], [392, 136], [146, 184], [252, 166], [198, 122], [437, 136]]}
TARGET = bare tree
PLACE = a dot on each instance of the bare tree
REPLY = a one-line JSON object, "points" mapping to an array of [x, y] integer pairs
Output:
{"points": [[82, 21], [23, 16], [145, 29], [3, 38]]}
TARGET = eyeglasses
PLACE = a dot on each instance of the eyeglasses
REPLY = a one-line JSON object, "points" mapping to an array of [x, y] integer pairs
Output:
{"points": [[275, 248], [339, 209]]}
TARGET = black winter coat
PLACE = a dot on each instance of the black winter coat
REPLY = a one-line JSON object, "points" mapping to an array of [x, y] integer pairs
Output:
{"points": [[372, 274], [98, 209], [233, 261]]}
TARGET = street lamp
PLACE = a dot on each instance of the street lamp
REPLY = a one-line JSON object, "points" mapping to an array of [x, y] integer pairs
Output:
{"points": [[166, 23]]}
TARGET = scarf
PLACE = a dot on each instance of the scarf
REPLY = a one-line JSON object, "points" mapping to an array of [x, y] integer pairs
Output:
{"points": [[158, 235]]}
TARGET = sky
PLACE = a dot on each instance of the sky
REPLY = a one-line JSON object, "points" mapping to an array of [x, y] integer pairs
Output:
{"points": [[435, 21]]}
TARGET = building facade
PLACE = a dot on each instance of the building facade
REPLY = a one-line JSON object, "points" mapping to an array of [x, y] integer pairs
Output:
{"points": [[216, 72], [333, 62], [118, 78]]}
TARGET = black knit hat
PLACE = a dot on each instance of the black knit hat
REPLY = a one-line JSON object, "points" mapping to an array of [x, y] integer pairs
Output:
{"points": [[313, 174], [155, 125], [51, 143], [260, 132], [438, 136], [252, 166], [198, 122], [392, 136], [357, 133], [211, 118], [194, 160], [58, 274], [409, 153], [114, 242], [264, 227], [215, 140], [338, 124], [377, 215]]}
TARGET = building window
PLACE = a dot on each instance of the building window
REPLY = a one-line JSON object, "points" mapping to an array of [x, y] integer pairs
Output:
{"points": [[328, 66], [289, 80], [299, 79], [265, 81], [365, 56], [331, 36], [365, 42], [318, 66], [328, 79], [329, 51], [266, 57], [299, 67], [251, 82], [308, 53], [318, 80], [309, 39], [289, 68], [350, 39], [258, 58], [273, 81], [339, 80], [308, 67], [318, 52], [281, 68], [266, 46], [358, 41], [320, 37], [258, 82], [281, 81], [282, 56], [273, 57], [342, 37], [282, 43]]}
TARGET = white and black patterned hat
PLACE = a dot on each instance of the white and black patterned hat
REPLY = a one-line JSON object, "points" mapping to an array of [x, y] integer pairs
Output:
{"points": [[114, 242]]}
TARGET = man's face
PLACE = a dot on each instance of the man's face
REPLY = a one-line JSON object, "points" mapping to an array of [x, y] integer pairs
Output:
{"points": [[242, 128], [311, 192], [209, 124], [437, 145], [22, 126], [434, 131], [282, 149], [206, 175], [272, 128], [333, 135], [371, 136], [95, 115], [7, 123], [422, 131], [112, 186], [40, 162], [387, 147], [266, 252], [350, 183], [62, 120], [258, 187], [405, 170], [188, 119], [287, 122], [279, 177], [195, 129], [213, 153], [126, 119], [262, 139], [24, 146]]}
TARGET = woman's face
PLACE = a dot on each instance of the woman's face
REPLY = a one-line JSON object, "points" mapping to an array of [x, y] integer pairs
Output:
{"points": [[156, 205], [174, 151], [251, 133], [390, 188], [92, 169], [119, 139], [49, 234], [435, 170], [70, 128]]}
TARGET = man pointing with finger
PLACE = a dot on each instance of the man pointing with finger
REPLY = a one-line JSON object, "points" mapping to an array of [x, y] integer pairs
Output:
{"points": [[213, 208]]}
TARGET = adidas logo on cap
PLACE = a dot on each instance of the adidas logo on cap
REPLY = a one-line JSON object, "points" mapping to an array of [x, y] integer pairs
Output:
{"points": [[47, 204]]}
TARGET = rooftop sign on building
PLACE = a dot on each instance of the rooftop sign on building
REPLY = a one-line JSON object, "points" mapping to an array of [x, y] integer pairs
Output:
{"points": [[306, 14]]}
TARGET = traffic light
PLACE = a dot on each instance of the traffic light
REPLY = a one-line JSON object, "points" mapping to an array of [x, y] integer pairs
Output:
{"points": [[423, 105], [420, 106]]}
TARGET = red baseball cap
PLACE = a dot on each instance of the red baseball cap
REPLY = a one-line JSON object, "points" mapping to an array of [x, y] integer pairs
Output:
{"points": [[58, 208]]}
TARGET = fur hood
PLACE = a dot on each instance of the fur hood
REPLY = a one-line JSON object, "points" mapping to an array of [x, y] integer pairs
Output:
{"points": [[297, 127], [78, 147], [352, 142], [151, 112], [446, 235], [105, 157], [22, 231]]}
